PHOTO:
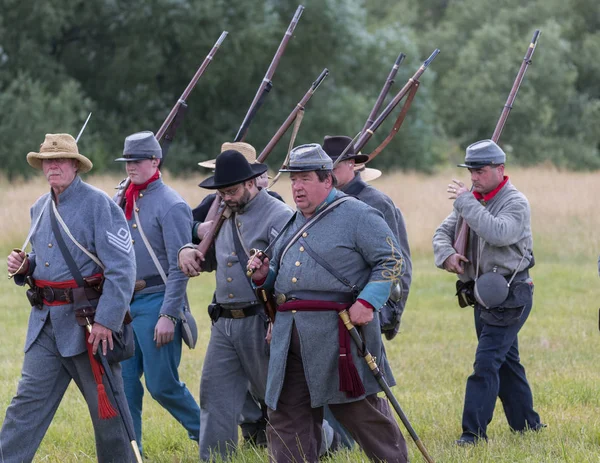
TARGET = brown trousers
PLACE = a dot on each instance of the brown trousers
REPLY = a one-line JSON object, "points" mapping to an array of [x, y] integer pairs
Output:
{"points": [[294, 431]]}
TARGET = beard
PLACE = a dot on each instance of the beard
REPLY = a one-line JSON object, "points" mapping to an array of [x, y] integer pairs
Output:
{"points": [[237, 206]]}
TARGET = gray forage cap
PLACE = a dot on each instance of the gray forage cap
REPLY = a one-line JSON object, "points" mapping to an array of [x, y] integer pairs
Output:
{"points": [[483, 153], [141, 145], [305, 158]]}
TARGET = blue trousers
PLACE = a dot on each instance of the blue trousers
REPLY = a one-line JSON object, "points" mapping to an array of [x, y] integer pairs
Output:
{"points": [[498, 372], [159, 367]]}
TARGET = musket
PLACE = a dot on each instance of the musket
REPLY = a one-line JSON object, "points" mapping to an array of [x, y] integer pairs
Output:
{"points": [[372, 363], [267, 83], [166, 132], [462, 237], [368, 133], [290, 119], [221, 211], [384, 91]]}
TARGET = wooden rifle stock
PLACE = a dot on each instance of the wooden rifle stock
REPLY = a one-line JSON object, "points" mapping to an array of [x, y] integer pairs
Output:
{"points": [[462, 237], [290, 119], [120, 196], [218, 213], [384, 91], [266, 84], [368, 133]]}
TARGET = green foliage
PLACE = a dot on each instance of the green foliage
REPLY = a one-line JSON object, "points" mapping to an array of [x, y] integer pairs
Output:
{"points": [[129, 61]]}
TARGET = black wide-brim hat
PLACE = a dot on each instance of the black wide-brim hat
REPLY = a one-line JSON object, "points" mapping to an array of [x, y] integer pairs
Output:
{"points": [[231, 168], [335, 145]]}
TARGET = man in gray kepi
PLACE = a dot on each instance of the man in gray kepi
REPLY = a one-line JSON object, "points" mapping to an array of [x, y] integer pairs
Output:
{"points": [[160, 222], [494, 278], [94, 234], [337, 253]]}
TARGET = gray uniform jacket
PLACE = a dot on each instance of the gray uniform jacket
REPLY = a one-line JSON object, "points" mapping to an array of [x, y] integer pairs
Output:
{"points": [[166, 220], [258, 223], [393, 217], [99, 225], [500, 231], [355, 239]]}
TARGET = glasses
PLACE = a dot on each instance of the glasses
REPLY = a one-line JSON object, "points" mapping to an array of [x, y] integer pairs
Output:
{"points": [[230, 192]]}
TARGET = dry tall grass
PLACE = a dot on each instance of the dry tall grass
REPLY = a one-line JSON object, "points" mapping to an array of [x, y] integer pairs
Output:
{"points": [[564, 208]]}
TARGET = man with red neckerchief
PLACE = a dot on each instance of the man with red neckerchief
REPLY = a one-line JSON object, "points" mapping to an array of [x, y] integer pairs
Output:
{"points": [[160, 222], [494, 274]]}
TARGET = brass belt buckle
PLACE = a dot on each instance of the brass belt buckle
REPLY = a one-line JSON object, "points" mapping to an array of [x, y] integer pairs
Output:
{"points": [[280, 299], [237, 313]]}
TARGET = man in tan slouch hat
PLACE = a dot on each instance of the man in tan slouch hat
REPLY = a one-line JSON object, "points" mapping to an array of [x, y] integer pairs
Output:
{"points": [[57, 348]]}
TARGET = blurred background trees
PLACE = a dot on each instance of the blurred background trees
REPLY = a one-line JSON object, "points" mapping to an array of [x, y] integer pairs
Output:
{"points": [[128, 62]]}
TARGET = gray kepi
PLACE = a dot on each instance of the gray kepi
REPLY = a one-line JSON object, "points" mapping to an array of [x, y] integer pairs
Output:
{"points": [[140, 146], [306, 158], [483, 153]]}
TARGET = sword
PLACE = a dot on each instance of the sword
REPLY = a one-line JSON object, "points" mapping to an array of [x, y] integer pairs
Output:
{"points": [[363, 352]]}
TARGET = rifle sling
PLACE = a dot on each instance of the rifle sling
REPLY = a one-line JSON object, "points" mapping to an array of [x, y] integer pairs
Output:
{"points": [[399, 121]]}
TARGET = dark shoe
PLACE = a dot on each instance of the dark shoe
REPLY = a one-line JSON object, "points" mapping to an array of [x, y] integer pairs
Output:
{"points": [[255, 433], [465, 442], [538, 427]]}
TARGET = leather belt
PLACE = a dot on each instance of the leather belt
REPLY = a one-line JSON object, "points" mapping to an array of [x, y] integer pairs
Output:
{"points": [[148, 282], [65, 295], [329, 296], [241, 312]]}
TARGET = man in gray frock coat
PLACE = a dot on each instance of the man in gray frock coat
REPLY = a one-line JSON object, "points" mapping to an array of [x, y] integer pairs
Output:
{"points": [[56, 349], [337, 253]]}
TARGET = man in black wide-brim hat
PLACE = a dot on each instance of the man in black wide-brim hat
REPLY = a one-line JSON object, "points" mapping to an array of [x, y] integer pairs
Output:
{"points": [[237, 354]]}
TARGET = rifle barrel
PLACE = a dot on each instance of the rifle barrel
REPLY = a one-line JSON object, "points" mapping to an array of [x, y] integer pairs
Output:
{"points": [[515, 88], [368, 133], [384, 91], [290, 119], [190, 86], [266, 83]]}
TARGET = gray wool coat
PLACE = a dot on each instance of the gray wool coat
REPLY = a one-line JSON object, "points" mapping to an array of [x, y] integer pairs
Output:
{"points": [[99, 225], [393, 217], [356, 240], [167, 223], [500, 231], [258, 223]]}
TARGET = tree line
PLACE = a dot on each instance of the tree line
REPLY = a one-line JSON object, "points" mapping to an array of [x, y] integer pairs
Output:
{"points": [[128, 62]]}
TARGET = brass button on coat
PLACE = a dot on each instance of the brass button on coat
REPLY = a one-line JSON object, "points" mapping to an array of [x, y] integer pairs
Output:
{"points": [[294, 280], [137, 209], [132, 241], [301, 248], [141, 195], [49, 245], [304, 235], [134, 225], [230, 296], [229, 279], [229, 264], [47, 264], [233, 253], [297, 263]]}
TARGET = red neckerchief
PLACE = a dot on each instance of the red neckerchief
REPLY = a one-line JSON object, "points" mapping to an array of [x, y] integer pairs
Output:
{"points": [[132, 192], [488, 196]]}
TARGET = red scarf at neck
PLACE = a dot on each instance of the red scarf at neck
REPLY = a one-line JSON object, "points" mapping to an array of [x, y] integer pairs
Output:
{"points": [[492, 193], [132, 192]]}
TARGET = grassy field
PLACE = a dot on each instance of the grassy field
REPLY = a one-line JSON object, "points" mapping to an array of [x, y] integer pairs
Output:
{"points": [[432, 356]]}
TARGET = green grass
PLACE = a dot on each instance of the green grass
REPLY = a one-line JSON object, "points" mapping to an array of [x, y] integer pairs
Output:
{"points": [[431, 358]]}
